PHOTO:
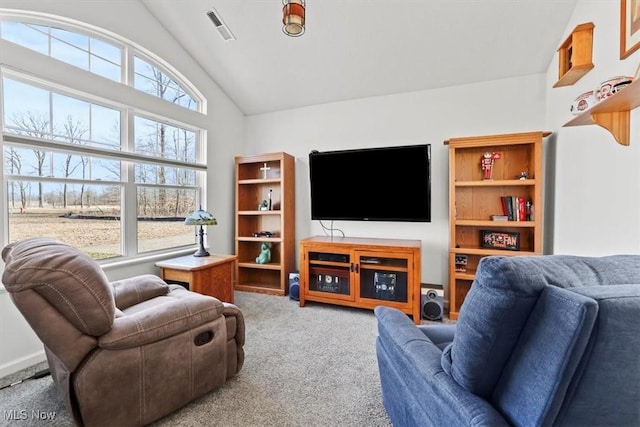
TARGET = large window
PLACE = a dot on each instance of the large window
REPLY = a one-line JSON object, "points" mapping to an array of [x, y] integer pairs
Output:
{"points": [[111, 179]]}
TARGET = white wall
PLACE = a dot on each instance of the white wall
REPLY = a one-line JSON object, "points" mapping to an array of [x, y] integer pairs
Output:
{"points": [[503, 106], [597, 181], [19, 347]]}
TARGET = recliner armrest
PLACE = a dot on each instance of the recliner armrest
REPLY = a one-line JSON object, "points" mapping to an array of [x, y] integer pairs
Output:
{"points": [[410, 371], [234, 329], [134, 290], [162, 317]]}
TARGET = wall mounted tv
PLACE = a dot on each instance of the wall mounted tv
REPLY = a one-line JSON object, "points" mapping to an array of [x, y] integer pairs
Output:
{"points": [[373, 184]]}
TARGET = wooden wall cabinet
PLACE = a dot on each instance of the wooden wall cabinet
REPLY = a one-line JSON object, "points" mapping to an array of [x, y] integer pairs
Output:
{"points": [[361, 272], [474, 200], [271, 178], [575, 55]]}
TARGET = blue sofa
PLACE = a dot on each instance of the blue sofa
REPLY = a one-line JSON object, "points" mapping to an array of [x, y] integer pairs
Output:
{"points": [[540, 340]]}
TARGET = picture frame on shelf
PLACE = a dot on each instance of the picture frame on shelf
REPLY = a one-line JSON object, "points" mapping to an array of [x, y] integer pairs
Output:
{"points": [[461, 263], [507, 240], [629, 27]]}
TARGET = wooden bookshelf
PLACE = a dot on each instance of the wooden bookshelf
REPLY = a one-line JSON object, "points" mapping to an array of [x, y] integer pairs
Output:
{"points": [[265, 177], [473, 200]]}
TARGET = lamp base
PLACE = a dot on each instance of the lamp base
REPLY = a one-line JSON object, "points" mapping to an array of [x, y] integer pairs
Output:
{"points": [[201, 250]]}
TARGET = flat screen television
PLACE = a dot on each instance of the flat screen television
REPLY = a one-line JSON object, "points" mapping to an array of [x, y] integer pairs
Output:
{"points": [[373, 184]]}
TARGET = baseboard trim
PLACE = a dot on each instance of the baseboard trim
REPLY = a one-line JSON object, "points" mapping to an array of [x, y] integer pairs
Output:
{"points": [[22, 363]]}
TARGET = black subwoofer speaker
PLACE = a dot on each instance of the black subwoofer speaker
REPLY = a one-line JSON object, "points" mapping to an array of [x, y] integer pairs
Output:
{"points": [[432, 302], [294, 286]]}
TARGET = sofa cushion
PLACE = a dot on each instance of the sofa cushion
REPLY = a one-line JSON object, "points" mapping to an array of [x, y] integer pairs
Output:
{"points": [[500, 300], [134, 290], [535, 380]]}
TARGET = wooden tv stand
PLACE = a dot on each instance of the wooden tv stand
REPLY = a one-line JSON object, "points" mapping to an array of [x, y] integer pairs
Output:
{"points": [[361, 272]]}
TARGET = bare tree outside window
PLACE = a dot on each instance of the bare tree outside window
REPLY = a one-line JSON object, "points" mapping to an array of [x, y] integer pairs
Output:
{"points": [[75, 132], [39, 126]]}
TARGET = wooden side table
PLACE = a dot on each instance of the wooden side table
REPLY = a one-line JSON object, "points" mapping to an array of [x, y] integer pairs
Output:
{"points": [[211, 275]]}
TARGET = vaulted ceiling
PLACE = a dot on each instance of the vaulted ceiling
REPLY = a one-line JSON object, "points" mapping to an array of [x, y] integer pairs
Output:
{"points": [[361, 48]]}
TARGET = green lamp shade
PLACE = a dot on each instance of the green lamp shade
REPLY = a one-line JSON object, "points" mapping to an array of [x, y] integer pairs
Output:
{"points": [[200, 217]]}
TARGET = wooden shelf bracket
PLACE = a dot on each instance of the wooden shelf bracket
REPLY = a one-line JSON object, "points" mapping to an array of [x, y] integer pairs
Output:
{"points": [[612, 113]]}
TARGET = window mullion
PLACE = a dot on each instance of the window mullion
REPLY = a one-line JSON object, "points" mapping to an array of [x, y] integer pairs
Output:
{"points": [[124, 155], [129, 198]]}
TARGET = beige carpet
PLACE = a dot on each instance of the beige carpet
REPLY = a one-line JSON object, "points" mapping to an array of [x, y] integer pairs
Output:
{"points": [[311, 366]]}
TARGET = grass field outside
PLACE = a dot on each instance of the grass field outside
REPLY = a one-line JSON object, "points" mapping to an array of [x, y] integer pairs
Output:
{"points": [[100, 238]]}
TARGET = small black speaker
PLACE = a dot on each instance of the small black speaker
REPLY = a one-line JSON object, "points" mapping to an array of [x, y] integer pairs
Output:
{"points": [[432, 302], [294, 286]]}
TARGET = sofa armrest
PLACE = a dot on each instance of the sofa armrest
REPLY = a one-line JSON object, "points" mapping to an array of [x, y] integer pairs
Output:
{"points": [[416, 390], [162, 317], [235, 338], [134, 290]]}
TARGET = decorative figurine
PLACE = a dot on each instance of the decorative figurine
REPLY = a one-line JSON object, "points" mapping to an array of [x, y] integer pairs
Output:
{"points": [[264, 170], [487, 165], [523, 176], [265, 254], [264, 206]]}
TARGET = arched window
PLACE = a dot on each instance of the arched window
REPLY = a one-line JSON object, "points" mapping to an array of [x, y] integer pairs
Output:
{"points": [[107, 170]]}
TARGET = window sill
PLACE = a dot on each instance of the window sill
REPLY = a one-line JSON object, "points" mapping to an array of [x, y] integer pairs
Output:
{"points": [[128, 262], [113, 265]]}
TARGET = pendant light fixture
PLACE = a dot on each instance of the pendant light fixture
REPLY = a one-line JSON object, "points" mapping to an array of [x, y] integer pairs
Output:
{"points": [[293, 17]]}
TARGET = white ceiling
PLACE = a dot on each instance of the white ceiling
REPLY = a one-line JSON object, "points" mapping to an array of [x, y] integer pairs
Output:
{"points": [[361, 48]]}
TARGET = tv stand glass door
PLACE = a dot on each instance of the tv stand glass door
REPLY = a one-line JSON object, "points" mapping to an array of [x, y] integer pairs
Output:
{"points": [[383, 278]]}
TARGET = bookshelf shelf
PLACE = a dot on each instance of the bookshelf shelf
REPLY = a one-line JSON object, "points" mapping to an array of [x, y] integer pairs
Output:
{"points": [[499, 183], [501, 224]]}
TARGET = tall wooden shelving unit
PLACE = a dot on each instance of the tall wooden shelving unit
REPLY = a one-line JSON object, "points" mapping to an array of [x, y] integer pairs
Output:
{"points": [[258, 178], [474, 200]]}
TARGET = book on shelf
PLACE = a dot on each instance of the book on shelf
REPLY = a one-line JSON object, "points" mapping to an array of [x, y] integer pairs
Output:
{"points": [[516, 208], [505, 209], [521, 209]]}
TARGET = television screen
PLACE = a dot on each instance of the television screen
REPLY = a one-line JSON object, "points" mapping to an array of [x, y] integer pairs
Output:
{"points": [[373, 184]]}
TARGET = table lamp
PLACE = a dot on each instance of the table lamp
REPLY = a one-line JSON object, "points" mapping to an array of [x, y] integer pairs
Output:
{"points": [[201, 218]]}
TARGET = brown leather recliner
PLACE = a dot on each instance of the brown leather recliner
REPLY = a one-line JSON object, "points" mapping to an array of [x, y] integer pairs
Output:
{"points": [[124, 353]]}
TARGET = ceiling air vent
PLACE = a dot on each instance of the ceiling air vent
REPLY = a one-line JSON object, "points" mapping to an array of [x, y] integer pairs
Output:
{"points": [[221, 26]]}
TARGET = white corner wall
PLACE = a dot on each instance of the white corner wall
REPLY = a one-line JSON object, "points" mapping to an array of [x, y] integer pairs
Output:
{"points": [[596, 181], [433, 116]]}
